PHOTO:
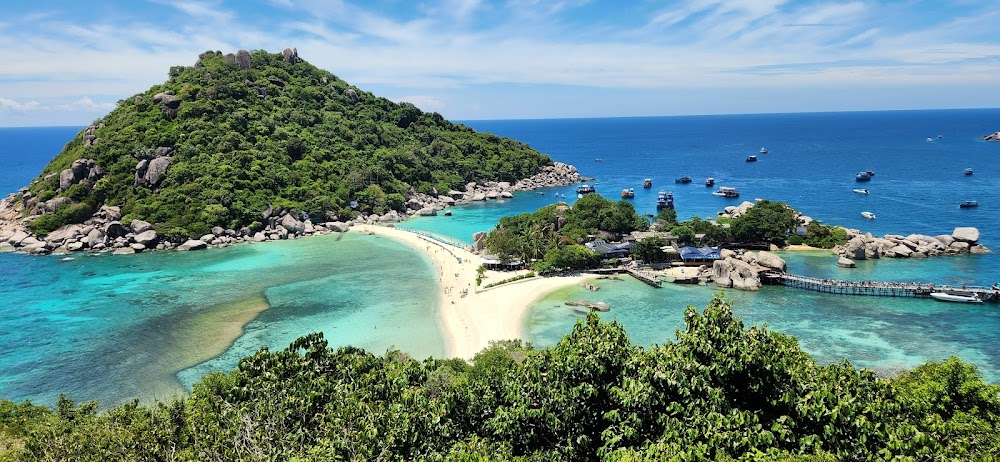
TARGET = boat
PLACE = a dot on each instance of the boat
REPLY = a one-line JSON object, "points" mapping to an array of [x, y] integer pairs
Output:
{"points": [[868, 215], [664, 200], [751, 158], [863, 176], [709, 181], [727, 192], [598, 160], [763, 150], [585, 189], [956, 296], [683, 180], [929, 140], [940, 136], [860, 191], [647, 183], [968, 204], [968, 172], [628, 193]]}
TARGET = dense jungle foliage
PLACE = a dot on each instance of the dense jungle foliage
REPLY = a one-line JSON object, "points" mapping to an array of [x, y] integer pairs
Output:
{"points": [[719, 391], [278, 133], [552, 235]]}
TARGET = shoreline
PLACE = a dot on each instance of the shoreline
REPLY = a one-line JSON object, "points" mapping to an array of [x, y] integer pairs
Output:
{"points": [[470, 322]]}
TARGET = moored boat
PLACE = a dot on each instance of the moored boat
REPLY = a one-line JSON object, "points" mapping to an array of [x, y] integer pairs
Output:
{"points": [[956, 296], [683, 180], [863, 176], [664, 200], [585, 189], [647, 183], [751, 158], [727, 192], [868, 215], [860, 191], [709, 181], [968, 172], [628, 193], [968, 204], [763, 150]]}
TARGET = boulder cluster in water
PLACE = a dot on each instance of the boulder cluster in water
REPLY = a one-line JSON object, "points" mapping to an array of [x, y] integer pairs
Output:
{"points": [[866, 246]]}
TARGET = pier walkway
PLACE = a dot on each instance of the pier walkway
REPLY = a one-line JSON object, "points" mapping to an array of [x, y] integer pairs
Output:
{"points": [[873, 288], [648, 278]]}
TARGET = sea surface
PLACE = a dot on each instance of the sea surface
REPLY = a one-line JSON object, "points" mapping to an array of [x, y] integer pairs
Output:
{"points": [[116, 328]]}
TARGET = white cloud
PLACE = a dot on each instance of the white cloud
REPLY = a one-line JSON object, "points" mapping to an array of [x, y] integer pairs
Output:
{"points": [[425, 103], [12, 105], [86, 104]]}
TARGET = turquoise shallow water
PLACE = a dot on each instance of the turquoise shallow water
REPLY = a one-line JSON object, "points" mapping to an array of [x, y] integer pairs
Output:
{"points": [[110, 328], [884, 334]]}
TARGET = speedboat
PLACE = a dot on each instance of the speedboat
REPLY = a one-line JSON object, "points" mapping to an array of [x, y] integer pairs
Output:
{"points": [[860, 191], [709, 181], [751, 158], [968, 204], [647, 183], [956, 296], [863, 176], [683, 179], [598, 160], [968, 171], [868, 215], [585, 189], [763, 150], [929, 140], [727, 192]]}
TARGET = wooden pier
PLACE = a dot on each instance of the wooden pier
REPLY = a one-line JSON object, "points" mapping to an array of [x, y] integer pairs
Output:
{"points": [[873, 288], [648, 278], [643, 276]]}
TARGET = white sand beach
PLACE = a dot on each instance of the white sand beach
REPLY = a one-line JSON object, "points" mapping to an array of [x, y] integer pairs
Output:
{"points": [[471, 319]]}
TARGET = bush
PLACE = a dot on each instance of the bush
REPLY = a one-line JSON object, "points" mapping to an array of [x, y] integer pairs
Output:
{"points": [[795, 239]]}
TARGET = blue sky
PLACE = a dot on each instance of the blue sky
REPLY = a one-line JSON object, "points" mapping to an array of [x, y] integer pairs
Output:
{"points": [[68, 62]]}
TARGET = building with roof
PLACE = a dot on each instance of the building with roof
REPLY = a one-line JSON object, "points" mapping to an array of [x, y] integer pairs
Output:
{"points": [[690, 254]]}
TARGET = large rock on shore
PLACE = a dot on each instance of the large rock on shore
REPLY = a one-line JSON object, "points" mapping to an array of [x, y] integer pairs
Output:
{"points": [[770, 260], [735, 273], [969, 234], [193, 244]]}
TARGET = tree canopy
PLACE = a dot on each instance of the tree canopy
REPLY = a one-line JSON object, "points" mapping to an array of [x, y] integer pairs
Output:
{"points": [[718, 391]]}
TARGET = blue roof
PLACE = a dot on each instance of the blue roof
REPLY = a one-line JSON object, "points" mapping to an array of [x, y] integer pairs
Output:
{"points": [[704, 253]]}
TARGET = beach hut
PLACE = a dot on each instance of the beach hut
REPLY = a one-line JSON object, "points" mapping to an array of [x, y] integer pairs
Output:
{"points": [[690, 254], [609, 250]]}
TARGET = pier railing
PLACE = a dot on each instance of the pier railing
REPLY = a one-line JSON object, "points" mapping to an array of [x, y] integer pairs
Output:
{"points": [[874, 288]]}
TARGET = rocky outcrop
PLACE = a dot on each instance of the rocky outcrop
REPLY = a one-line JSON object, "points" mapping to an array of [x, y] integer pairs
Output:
{"points": [[242, 59], [992, 137], [152, 166], [82, 169], [290, 55], [352, 95], [742, 271], [193, 244], [772, 261], [90, 134], [168, 103], [866, 246], [735, 273], [846, 263]]}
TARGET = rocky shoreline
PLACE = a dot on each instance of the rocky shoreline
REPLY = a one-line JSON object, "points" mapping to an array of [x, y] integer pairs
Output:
{"points": [[867, 247], [104, 232]]}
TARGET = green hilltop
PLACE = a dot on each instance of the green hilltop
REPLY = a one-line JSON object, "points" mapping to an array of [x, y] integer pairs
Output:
{"points": [[223, 140]]}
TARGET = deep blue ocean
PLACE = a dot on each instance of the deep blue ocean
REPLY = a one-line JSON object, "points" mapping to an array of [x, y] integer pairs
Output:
{"points": [[113, 328]]}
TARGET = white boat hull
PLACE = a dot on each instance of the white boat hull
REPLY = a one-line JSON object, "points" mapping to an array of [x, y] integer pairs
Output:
{"points": [[946, 297]]}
